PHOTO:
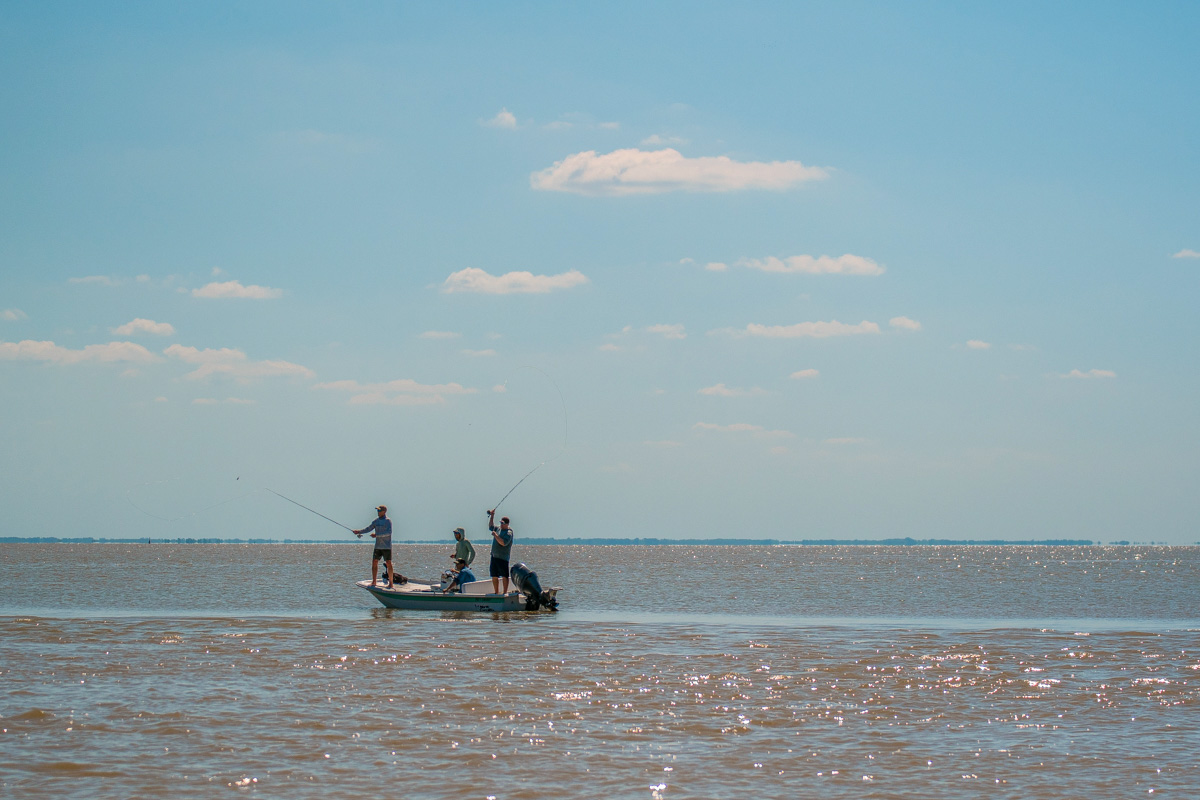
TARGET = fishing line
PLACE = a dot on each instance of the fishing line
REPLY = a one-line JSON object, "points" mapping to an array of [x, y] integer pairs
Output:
{"points": [[129, 492], [128, 496], [564, 444], [318, 513]]}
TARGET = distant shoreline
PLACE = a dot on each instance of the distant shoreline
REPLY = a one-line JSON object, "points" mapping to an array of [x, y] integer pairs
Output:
{"points": [[601, 541]]}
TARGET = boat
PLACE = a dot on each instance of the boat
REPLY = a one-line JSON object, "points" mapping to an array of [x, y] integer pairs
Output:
{"points": [[475, 596]]}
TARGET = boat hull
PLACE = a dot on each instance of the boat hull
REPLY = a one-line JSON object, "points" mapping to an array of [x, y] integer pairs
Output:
{"points": [[423, 596]]}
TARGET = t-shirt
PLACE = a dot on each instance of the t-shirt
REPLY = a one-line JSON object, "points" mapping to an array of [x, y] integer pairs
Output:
{"points": [[383, 533], [502, 548], [464, 550], [465, 576]]}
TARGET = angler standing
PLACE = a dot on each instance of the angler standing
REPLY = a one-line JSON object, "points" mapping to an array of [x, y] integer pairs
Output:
{"points": [[502, 539], [381, 532]]}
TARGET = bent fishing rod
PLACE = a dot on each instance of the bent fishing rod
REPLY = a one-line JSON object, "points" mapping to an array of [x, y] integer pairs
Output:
{"points": [[318, 513]]}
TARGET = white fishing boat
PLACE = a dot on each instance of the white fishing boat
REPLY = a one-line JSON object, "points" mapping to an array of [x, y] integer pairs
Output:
{"points": [[474, 596]]}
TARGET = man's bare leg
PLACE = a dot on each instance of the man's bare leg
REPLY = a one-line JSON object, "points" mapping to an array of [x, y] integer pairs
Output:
{"points": [[391, 580], [374, 570], [506, 585], [495, 586]]}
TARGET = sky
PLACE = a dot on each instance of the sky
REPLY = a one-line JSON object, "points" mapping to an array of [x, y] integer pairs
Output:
{"points": [[766, 270]]}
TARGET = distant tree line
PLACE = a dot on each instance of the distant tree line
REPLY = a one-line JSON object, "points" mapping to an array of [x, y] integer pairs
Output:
{"points": [[589, 541]]}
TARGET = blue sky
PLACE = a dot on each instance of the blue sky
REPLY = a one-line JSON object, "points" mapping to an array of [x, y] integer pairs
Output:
{"points": [[836, 270]]}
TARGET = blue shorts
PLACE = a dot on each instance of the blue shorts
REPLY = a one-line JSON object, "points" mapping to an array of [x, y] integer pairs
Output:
{"points": [[499, 568]]}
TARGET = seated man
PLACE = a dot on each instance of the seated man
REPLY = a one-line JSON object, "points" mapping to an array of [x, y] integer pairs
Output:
{"points": [[462, 574]]}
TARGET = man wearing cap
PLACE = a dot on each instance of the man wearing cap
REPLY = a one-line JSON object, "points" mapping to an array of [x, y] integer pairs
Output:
{"points": [[462, 575], [381, 532], [502, 539], [463, 549]]}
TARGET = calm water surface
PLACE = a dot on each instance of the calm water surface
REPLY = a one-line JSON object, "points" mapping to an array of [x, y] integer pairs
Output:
{"points": [[671, 672]]}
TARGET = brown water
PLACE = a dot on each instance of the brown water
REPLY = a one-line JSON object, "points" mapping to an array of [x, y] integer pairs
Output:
{"points": [[867, 672]]}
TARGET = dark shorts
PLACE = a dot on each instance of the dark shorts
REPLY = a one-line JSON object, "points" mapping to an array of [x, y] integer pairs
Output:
{"points": [[386, 555], [499, 568]]}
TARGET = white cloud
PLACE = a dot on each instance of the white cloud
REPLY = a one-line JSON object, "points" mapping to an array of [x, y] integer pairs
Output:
{"points": [[847, 264], [978, 344], [668, 331], [440, 335], [232, 363], [212, 401], [742, 427], [685, 261], [400, 392], [633, 171], [500, 388], [813, 330], [145, 326], [904, 323], [721, 390], [234, 289], [103, 280], [49, 352], [655, 140], [160, 399], [473, 279], [13, 314], [804, 374], [503, 119], [479, 353], [1091, 373], [716, 266], [1187, 254]]}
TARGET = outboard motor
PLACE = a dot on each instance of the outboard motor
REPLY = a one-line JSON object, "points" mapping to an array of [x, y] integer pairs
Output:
{"points": [[526, 581]]}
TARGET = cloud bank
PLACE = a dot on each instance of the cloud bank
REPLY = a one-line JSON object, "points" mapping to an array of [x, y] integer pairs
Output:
{"points": [[401, 392], [51, 353], [1187, 254], [904, 324], [721, 390], [742, 427], [503, 119], [13, 314], [1090, 374], [802, 330], [847, 264], [668, 331], [633, 171], [232, 363], [140, 325], [234, 289], [473, 279]]}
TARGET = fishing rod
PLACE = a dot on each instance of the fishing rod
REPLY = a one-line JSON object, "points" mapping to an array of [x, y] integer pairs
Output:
{"points": [[318, 513], [564, 444]]}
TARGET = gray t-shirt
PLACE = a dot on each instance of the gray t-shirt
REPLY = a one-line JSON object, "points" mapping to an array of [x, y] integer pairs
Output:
{"points": [[499, 550], [383, 533]]}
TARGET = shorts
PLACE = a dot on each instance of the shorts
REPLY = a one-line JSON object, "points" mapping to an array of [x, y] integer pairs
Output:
{"points": [[499, 568], [386, 555]]}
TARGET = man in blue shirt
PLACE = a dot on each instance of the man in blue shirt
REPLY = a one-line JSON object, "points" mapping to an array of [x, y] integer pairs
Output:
{"points": [[381, 530], [460, 576], [502, 539]]}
